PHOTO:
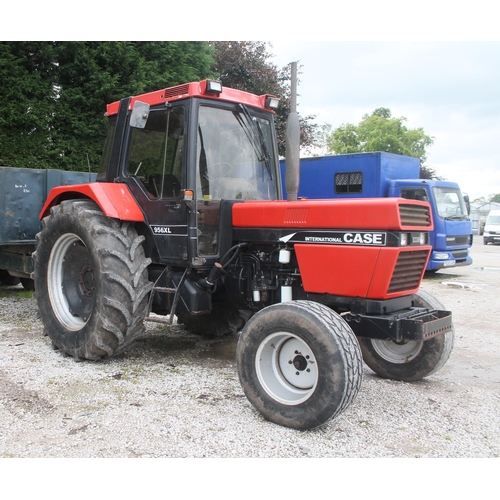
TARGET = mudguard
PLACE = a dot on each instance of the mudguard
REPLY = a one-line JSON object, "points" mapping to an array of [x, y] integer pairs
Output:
{"points": [[114, 199]]}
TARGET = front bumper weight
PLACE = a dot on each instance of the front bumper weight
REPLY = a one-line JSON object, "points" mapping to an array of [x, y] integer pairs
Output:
{"points": [[412, 324]]}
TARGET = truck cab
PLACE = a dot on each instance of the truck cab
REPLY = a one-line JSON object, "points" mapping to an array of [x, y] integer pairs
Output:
{"points": [[452, 235]]}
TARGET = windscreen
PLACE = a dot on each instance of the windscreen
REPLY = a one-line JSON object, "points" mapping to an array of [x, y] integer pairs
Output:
{"points": [[450, 203], [236, 157], [493, 219]]}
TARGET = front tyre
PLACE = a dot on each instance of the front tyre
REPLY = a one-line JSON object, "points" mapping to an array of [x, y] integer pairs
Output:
{"points": [[91, 280], [299, 364], [412, 360]]}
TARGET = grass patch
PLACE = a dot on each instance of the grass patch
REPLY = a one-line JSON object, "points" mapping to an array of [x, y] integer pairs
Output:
{"points": [[20, 294]]}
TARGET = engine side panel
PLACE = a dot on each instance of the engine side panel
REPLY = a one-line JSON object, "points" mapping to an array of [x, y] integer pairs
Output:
{"points": [[372, 249]]}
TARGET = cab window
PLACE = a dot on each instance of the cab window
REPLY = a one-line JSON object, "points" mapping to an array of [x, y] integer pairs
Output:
{"points": [[156, 153]]}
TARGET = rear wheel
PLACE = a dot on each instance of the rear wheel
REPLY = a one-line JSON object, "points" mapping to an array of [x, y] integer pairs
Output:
{"points": [[299, 364], [411, 360], [91, 280]]}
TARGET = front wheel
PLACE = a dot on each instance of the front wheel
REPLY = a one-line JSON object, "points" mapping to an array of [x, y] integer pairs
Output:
{"points": [[411, 360], [91, 280], [299, 364]]}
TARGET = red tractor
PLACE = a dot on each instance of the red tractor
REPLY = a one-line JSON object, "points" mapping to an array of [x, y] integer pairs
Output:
{"points": [[187, 218]]}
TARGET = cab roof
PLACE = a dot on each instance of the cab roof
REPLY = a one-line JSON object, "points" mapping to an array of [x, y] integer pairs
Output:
{"points": [[196, 89]]}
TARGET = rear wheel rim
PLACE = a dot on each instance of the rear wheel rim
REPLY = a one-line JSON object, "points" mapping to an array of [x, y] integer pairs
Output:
{"points": [[286, 368], [397, 353], [70, 282]]}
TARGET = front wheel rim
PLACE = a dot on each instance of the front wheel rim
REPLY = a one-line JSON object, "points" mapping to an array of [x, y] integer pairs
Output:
{"points": [[397, 353], [64, 292], [287, 368]]}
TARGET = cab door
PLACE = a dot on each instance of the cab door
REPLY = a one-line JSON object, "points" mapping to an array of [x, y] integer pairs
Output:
{"points": [[155, 173]]}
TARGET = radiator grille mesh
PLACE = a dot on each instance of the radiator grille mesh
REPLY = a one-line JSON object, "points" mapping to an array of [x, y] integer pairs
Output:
{"points": [[414, 215], [408, 271]]}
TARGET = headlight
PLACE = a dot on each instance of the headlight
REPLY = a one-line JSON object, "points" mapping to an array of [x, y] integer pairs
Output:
{"points": [[413, 239], [441, 256]]}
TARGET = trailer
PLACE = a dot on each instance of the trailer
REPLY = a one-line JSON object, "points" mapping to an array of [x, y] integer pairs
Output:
{"points": [[23, 192]]}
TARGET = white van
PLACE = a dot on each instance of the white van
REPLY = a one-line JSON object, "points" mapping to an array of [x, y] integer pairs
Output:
{"points": [[492, 227]]}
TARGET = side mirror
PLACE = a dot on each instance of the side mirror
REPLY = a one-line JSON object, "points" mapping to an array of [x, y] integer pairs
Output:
{"points": [[467, 203], [139, 115]]}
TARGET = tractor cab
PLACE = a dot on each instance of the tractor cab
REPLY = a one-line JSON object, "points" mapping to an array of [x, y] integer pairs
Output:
{"points": [[187, 154]]}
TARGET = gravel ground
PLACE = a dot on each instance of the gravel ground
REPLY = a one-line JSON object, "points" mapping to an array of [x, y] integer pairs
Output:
{"points": [[178, 395]]}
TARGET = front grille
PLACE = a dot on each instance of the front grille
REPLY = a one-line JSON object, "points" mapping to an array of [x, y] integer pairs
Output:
{"points": [[414, 215], [459, 240], [459, 254], [408, 271]]}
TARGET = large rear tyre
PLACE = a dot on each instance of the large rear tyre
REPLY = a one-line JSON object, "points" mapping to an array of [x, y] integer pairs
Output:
{"points": [[28, 283], [91, 280], [299, 364], [412, 360]]}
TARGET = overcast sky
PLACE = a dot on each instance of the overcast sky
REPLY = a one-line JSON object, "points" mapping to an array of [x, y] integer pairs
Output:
{"points": [[450, 89]]}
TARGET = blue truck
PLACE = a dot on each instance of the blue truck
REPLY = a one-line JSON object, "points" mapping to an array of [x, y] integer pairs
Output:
{"points": [[379, 175]]}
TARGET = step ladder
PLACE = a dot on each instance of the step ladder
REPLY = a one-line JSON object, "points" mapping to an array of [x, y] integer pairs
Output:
{"points": [[175, 291]]}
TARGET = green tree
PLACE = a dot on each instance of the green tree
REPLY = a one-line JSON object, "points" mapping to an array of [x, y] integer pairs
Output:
{"points": [[380, 131], [495, 198], [247, 66], [53, 95], [27, 99]]}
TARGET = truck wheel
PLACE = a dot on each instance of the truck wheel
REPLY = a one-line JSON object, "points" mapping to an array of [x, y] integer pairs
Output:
{"points": [[7, 280], [28, 283], [299, 364], [91, 280], [412, 360]]}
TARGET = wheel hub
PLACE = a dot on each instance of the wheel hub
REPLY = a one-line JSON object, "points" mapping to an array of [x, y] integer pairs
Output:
{"points": [[300, 362], [87, 284], [397, 353], [286, 368], [71, 282], [78, 280]]}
